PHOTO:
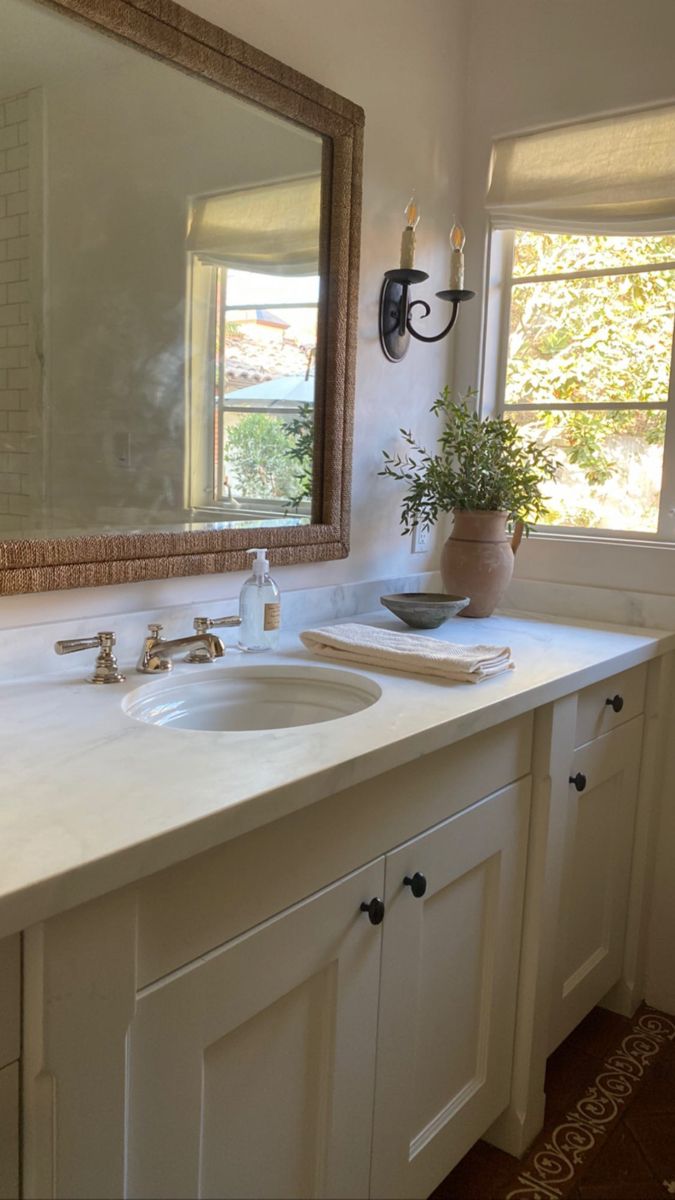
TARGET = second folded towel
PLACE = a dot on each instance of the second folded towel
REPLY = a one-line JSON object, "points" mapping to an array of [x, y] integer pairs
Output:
{"points": [[408, 652]]}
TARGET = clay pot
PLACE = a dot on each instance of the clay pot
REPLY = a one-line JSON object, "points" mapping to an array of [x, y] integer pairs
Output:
{"points": [[477, 559]]}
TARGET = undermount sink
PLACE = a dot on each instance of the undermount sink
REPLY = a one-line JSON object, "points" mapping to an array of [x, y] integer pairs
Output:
{"points": [[255, 697]]}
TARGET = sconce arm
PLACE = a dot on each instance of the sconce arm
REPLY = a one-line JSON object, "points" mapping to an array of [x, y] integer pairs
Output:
{"points": [[439, 336]]}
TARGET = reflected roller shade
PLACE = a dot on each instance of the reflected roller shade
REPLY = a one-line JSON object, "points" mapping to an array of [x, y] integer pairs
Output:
{"points": [[273, 229], [613, 175]]}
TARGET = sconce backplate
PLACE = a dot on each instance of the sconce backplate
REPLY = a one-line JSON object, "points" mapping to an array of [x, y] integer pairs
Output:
{"points": [[394, 343]]}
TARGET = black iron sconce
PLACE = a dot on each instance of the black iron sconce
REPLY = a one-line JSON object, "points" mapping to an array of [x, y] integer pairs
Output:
{"points": [[396, 307]]}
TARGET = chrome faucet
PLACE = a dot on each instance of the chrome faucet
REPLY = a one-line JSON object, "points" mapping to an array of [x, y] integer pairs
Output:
{"points": [[157, 653], [201, 625], [106, 669]]}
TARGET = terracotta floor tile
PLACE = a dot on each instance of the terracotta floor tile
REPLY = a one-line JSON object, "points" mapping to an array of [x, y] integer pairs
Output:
{"points": [[659, 1096], [620, 1161], [635, 1160], [599, 1033], [568, 1073], [655, 1135], [643, 1190], [482, 1174]]}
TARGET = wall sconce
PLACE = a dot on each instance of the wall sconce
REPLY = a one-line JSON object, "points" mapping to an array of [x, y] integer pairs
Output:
{"points": [[396, 307]]}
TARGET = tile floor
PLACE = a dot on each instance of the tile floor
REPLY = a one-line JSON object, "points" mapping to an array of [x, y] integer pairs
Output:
{"points": [[610, 1121]]}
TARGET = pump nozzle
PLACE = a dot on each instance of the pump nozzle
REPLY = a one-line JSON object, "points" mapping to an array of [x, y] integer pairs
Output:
{"points": [[261, 564]]}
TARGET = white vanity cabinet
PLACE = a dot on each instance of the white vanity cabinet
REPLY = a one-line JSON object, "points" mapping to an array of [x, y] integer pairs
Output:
{"points": [[314, 1053], [236, 1025]]}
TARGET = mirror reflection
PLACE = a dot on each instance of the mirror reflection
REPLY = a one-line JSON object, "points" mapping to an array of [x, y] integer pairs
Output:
{"points": [[160, 282]]}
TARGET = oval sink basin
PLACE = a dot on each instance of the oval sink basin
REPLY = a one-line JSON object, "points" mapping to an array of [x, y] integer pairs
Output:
{"points": [[246, 698]]}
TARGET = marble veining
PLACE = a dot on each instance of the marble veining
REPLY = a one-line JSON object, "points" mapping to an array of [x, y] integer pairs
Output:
{"points": [[92, 800]]}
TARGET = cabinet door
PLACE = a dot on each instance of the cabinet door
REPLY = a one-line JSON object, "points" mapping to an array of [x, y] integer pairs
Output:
{"points": [[448, 990], [595, 875], [9, 1132], [252, 1069]]}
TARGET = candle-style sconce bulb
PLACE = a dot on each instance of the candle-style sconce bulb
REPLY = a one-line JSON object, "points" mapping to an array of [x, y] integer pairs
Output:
{"points": [[412, 213], [457, 237], [396, 306], [412, 217]]}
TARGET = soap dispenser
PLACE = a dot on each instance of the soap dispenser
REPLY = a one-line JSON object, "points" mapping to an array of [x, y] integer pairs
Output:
{"points": [[259, 607]]}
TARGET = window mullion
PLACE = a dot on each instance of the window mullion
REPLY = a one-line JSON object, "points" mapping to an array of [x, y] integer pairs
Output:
{"points": [[667, 503], [594, 273]]}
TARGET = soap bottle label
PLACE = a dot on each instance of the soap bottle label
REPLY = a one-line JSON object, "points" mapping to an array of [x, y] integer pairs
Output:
{"points": [[272, 616]]}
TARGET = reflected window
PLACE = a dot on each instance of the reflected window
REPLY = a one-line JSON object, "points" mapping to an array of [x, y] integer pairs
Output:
{"points": [[253, 261]]}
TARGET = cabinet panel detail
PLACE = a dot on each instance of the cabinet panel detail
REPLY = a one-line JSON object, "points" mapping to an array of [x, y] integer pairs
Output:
{"points": [[189, 909], [596, 875], [448, 988], [270, 1043]]}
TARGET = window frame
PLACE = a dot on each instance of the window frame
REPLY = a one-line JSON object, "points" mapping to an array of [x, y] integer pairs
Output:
{"points": [[498, 292]]}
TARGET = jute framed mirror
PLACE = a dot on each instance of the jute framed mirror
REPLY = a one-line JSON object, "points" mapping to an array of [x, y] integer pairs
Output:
{"points": [[179, 227]]}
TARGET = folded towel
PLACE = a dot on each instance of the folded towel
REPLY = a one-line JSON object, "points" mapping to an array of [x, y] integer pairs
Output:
{"points": [[408, 652]]}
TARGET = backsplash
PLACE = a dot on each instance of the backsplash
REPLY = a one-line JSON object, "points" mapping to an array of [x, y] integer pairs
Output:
{"points": [[29, 649]]}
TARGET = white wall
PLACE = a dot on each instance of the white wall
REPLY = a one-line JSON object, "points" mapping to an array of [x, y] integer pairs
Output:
{"points": [[403, 64], [539, 62]]}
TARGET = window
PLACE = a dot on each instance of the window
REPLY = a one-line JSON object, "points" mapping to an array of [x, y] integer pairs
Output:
{"points": [[588, 370], [579, 346]]}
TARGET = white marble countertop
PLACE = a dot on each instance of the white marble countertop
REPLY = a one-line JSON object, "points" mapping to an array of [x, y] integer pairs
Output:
{"points": [[92, 800]]}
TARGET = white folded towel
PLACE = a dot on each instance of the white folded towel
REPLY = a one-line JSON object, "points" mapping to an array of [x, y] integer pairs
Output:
{"points": [[408, 652]]}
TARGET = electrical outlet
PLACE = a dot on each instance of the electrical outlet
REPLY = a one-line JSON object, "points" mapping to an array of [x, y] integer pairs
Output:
{"points": [[421, 539]]}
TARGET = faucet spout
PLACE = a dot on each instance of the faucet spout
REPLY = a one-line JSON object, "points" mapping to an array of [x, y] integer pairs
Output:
{"points": [[157, 652]]}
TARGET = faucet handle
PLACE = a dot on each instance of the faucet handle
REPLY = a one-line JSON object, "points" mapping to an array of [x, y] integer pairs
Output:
{"points": [[155, 629], [203, 624], [106, 669]]}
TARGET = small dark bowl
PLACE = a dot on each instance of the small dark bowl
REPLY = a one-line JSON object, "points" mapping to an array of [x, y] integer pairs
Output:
{"points": [[424, 610]]}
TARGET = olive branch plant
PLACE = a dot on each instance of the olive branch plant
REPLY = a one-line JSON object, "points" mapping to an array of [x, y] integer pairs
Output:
{"points": [[481, 465]]}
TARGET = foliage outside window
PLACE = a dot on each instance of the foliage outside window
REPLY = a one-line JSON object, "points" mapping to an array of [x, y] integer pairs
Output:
{"points": [[264, 351], [588, 374]]}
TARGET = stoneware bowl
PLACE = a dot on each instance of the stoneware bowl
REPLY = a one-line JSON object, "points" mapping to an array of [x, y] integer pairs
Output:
{"points": [[424, 610]]}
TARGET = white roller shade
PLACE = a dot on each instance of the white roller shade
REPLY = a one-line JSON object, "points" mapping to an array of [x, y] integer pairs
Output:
{"points": [[615, 175], [273, 229]]}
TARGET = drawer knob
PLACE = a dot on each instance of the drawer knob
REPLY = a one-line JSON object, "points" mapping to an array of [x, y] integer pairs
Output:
{"points": [[579, 780], [417, 884], [615, 702], [375, 910]]}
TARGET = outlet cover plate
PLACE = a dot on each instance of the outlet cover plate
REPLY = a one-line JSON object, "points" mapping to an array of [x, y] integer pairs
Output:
{"points": [[421, 539]]}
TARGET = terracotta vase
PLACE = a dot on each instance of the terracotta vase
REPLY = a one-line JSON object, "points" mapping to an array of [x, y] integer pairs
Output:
{"points": [[477, 559]]}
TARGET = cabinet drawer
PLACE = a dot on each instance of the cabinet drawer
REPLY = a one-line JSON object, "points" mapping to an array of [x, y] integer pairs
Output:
{"points": [[188, 909], [595, 716], [10, 998]]}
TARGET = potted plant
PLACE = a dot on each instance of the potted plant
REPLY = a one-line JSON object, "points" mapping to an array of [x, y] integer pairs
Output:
{"points": [[489, 477]]}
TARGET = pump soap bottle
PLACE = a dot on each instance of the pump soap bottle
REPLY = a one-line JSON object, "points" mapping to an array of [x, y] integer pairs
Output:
{"points": [[259, 607]]}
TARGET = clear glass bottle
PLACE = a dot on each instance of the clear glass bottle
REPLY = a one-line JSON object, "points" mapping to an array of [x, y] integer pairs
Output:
{"points": [[259, 607]]}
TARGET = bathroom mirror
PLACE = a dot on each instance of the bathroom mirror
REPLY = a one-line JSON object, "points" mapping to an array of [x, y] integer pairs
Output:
{"points": [[179, 222]]}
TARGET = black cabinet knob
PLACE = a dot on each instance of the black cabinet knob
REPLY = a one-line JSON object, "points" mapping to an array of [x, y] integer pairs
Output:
{"points": [[615, 702], [417, 884], [375, 910], [579, 781]]}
